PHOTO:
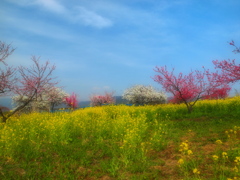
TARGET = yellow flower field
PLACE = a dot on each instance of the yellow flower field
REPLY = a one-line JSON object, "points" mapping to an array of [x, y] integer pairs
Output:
{"points": [[125, 142]]}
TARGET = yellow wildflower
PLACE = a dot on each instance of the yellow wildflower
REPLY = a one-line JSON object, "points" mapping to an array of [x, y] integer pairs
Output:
{"points": [[215, 157], [235, 169], [196, 171], [232, 179], [180, 161], [237, 160], [189, 152], [218, 142], [224, 155], [184, 146]]}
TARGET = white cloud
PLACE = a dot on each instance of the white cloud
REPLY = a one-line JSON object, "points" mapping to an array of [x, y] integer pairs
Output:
{"points": [[38, 28], [82, 15], [79, 15], [22, 2], [91, 18], [51, 5]]}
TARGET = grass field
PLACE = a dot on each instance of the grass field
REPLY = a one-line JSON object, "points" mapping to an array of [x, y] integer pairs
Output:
{"points": [[125, 142]]}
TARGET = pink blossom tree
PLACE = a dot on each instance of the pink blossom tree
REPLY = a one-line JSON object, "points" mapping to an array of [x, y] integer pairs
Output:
{"points": [[230, 70], [5, 51], [32, 81], [213, 93], [237, 49], [187, 88], [72, 101], [218, 93], [99, 100], [7, 74]]}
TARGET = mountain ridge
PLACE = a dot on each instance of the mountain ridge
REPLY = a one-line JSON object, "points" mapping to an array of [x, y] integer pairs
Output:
{"points": [[7, 102]]}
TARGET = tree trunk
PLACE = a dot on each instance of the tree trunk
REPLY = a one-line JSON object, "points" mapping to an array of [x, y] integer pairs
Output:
{"points": [[4, 118], [190, 109], [35, 107]]}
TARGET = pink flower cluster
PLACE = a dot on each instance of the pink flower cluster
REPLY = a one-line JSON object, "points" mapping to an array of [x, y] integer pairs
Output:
{"points": [[72, 101]]}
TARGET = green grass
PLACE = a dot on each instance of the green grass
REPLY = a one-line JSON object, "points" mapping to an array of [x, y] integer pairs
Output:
{"points": [[121, 142]]}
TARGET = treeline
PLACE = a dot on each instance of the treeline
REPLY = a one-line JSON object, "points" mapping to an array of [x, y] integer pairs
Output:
{"points": [[35, 88]]}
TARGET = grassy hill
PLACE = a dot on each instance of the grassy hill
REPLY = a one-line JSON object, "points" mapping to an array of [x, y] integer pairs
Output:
{"points": [[125, 142]]}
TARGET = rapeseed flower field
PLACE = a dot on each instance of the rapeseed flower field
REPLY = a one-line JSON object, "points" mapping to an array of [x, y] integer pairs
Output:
{"points": [[125, 142]]}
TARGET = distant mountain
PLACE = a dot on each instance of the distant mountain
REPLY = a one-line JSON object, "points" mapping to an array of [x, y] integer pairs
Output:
{"points": [[84, 104], [120, 100], [7, 102]]}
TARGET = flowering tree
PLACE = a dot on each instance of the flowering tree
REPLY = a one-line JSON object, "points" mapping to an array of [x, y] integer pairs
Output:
{"points": [[218, 93], [215, 93], [5, 51], [188, 88], [32, 82], [47, 100], [230, 70], [237, 49], [7, 74], [55, 97], [72, 101], [141, 95], [176, 99], [99, 100]]}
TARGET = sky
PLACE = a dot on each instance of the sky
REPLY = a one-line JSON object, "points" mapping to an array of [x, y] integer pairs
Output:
{"points": [[112, 45]]}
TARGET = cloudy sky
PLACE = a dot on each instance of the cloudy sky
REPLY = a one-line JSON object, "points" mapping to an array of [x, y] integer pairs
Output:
{"points": [[111, 45]]}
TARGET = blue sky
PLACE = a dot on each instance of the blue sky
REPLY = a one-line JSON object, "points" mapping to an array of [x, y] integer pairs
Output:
{"points": [[111, 45]]}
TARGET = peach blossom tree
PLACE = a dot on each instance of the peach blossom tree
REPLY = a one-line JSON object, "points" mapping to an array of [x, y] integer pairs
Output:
{"points": [[7, 74], [188, 88], [230, 69], [99, 100], [72, 101], [31, 81]]}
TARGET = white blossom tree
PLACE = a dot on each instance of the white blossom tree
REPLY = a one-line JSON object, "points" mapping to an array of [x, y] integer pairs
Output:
{"points": [[46, 100], [140, 95]]}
